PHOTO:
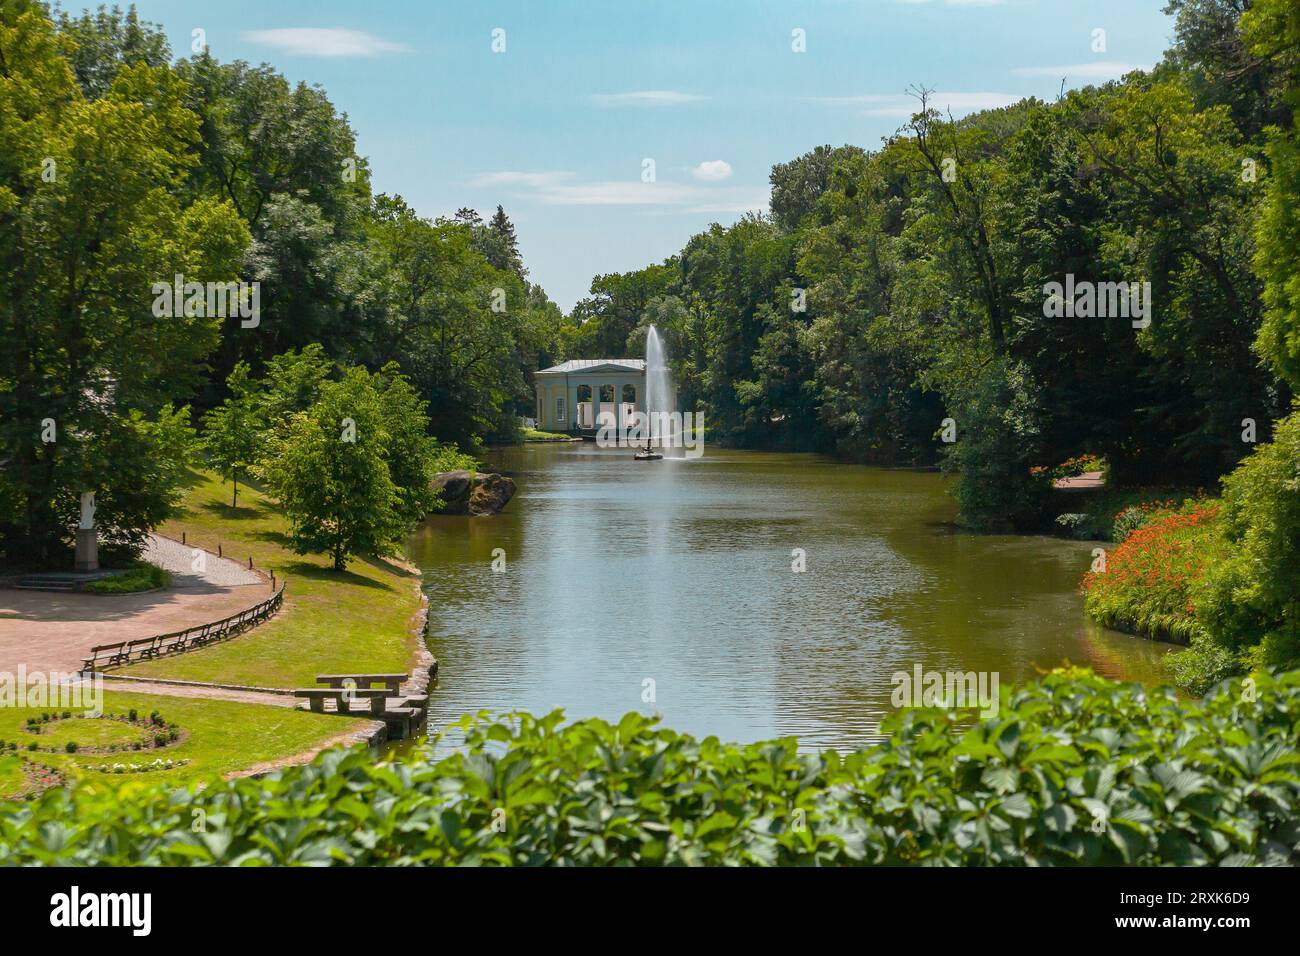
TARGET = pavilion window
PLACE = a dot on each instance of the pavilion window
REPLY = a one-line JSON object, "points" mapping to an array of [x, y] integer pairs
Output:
{"points": [[559, 408]]}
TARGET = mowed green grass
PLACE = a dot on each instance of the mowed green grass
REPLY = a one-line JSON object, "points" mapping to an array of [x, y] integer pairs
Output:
{"points": [[354, 621], [217, 737]]}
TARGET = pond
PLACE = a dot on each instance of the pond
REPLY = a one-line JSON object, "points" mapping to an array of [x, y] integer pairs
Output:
{"points": [[668, 587]]}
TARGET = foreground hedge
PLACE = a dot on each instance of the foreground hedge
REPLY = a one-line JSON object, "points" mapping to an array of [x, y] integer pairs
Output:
{"points": [[1074, 770]]}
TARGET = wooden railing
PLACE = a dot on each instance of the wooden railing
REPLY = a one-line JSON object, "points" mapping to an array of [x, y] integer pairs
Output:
{"points": [[104, 656]]}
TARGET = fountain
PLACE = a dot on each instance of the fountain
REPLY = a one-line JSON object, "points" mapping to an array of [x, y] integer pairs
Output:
{"points": [[660, 402]]}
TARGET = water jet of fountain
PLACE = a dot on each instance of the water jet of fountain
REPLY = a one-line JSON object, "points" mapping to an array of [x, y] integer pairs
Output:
{"points": [[660, 401]]}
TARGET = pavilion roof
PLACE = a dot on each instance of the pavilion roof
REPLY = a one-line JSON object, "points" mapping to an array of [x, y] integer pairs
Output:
{"points": [[592, 365]]}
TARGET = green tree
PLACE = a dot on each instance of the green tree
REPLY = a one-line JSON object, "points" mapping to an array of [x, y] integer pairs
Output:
{"points": [[107, 40], [90, 219], [504, 253], [327, 468], [233, 431], [460, 329], [285, 158], [1273, 30], [354, 469]]}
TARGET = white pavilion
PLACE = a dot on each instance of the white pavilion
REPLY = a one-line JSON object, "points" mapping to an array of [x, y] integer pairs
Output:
{"points": [[571, 396]]}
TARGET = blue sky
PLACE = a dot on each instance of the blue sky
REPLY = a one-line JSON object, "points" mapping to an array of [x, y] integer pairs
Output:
{"points": [[557, 127]]}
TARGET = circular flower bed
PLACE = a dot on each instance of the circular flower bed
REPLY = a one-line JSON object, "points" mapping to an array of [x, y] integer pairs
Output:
{"points": [[96, 733]]}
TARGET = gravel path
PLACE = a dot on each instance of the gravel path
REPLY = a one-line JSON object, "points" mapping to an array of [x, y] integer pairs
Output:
{"points": [[180, 560]]}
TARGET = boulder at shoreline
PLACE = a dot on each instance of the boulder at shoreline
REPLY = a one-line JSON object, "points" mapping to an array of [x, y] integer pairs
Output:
{"points": [[473, 493]]}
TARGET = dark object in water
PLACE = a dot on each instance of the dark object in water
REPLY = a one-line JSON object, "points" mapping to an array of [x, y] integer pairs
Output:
{"points": [[647, 456]]}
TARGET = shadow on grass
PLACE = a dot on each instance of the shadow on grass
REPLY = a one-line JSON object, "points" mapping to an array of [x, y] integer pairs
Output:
{"points": [[189, 481], [387, 565], [315, 572], [278, 538], [227, 513]]}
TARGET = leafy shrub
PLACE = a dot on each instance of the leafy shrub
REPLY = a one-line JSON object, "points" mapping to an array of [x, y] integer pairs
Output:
{"points": [[1128, 521], [141, 576], [448, 457], [1111, 514], [1250, 604], [1074, 770], [1072, 521], [1149, 581]]}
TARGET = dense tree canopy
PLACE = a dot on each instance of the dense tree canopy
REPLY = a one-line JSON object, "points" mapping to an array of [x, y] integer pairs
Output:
{"points": [[92, 214], [121, 169], [894, 290]]}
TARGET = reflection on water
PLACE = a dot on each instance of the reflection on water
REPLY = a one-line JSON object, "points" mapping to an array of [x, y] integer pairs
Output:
{"points": [[628, 579]]}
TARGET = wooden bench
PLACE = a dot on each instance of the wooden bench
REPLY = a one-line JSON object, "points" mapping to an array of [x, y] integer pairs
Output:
{"points": [[143, 648]]}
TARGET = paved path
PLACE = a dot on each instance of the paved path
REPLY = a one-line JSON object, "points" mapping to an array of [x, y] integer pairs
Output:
{"points": [[179, 559], [201, 690], [1084, 482], [49, 630]]}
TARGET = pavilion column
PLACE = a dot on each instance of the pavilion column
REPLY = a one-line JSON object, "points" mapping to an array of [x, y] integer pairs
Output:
{"points": [[618, 407], [571, 417]]}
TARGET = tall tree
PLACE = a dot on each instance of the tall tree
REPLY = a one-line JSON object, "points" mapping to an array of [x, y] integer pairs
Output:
{"points": [[90, 220], [232, 431]]}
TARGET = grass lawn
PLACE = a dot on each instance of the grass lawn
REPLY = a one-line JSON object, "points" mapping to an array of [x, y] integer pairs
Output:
{"points": [[332, 622], [216, 737], [532, 434], [141, 576]]}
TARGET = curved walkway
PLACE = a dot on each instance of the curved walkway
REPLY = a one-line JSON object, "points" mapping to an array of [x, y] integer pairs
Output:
{"points": [[49, 631]]}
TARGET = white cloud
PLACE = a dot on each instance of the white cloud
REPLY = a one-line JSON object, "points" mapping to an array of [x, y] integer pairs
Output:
{"points": [[902, 105], [712, 170], [558, 188], [320, 41], [645, 98], [1092, 70]]}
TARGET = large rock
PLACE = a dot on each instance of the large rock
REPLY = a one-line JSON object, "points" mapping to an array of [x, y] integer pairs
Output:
{"points": [[465, 492]]}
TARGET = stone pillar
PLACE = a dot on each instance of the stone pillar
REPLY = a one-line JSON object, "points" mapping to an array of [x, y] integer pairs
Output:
{"points": [[618, 407], [87, 558], [87, 551], [571, 422]]}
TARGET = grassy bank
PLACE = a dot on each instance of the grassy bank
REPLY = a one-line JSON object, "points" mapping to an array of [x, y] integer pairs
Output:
{"points": [[532, 434], [332, 621], [213, 738]]}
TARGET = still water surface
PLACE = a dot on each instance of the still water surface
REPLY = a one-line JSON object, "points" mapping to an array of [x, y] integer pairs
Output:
{"points": [[679, 572]]}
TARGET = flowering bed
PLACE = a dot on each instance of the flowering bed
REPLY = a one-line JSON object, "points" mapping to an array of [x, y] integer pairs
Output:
{"points": [[1149, 580]]}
